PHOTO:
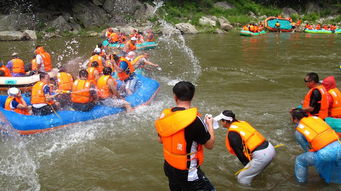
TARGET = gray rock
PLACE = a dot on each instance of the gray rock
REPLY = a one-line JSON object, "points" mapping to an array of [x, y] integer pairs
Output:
{"points": [[59, 23], [287, 12], [205, 21], [11, 35], [219, 31], [126, 29], [223, 5], [186, 28], [30, 35], [109, 5], [252, 14], [226, 27], [89, 14], [168, 29], [223, 20], [98, 2], [312, 7], [262, 18], [15, 22], [75, 27]]}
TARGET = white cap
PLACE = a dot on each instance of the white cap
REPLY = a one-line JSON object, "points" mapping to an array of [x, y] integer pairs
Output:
{"points": [[13, 91], [222, 116], [97, 50], [14, 54], [133, 38]]}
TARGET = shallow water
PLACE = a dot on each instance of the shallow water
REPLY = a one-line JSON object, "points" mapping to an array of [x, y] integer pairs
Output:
{"points": [[259, 78]]}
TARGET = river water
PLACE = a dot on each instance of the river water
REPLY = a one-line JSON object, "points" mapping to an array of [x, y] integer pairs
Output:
{"points": [[259, 78]]}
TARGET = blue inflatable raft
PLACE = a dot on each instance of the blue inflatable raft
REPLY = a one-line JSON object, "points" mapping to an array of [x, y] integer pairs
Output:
{"points": [[142, 46], [146, 90]]}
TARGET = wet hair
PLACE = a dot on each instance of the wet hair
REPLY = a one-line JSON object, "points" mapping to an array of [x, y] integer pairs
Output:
{"points": [[107, 71], [38, 46], [2, 73], [312, 76], [116, 58], [298, 113], [184, 91], [83, 73], [100, 45], [94, 64], [42, 75], [229, 113]]}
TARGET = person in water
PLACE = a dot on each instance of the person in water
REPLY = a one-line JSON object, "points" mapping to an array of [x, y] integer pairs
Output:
{"points": [[183, 135], [83, 95], [42, 97], [315, 102], [245, 142], [16, 66], [321, 146], [15, 102], [334, 97]]}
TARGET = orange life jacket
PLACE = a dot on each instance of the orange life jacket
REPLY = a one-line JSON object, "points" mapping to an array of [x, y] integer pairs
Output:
{"points": [[98, 59], [17, 110], [150, 37], [317, 132], [34, 64], [114, 37], [103, 87], [335, 110], [37, 95], [91, 74], [125, 74], [250, 136], [131, 46], [323, 113], [109, 64], [6, 71], [64, 81], [251, 28], [18, 66], [108, 34], [318, 27], [171, 128], [46, 61], [81, 91], [245, 28]]}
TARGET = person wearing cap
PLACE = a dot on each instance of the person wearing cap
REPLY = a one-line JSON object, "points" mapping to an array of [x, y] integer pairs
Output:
{"points": [[16, 66], [126, 73], [315, 101], [245, 142], [99, 59], [15, 102], [130, 45], [4, 70], [334, 97], [43, 59], [184, 136], [321, 145], [42, 96]]}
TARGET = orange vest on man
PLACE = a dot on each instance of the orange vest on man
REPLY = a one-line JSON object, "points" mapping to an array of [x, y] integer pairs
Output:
{"points": [[98, 59], [114, 38], [17, 110], [125, 75], [250, 136], [335, 110], [64, 81], [131, 46], [6, 71], [38, 95], [18, 66], [81, 91], [171, 128], [91, 74], [103, 87], [317, 132], [46, 58], [323, 113], [150, 37]]}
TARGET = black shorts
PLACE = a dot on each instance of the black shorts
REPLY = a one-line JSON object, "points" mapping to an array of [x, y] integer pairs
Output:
{"points": [[45, 110], [178, 180], [83, 106]]}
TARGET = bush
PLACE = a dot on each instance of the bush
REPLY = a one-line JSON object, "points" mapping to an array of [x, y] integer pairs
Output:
{"points": [[311, 17]]}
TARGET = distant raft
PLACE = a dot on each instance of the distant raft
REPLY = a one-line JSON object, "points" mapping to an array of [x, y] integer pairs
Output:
{"points": [[249, 33], [334, 123], [322, 31], [141, 46], [285, 24], [30, 124]]}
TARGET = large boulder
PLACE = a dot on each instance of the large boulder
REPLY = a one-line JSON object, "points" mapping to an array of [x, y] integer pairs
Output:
{"points": [[223, 5], [226, 27], [14, 22], [312, 7], [125, 7], [205, 21], [186, 28], [60, 23], [11, 35], [89, 14], [30, 35], [287, 12]]}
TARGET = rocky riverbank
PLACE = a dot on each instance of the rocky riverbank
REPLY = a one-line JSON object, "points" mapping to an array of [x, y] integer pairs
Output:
{"points": [[47, 18]]}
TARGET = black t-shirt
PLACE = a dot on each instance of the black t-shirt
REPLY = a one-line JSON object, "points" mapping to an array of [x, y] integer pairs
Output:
{"points": [[195, 132], [315, 98]]}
